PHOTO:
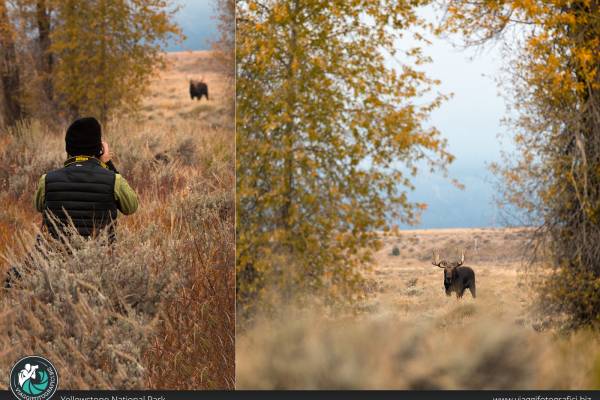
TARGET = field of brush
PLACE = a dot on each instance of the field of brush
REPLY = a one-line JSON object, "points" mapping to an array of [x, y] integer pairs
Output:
{"points": [[156, 310], [409, 335], [409, 285]]}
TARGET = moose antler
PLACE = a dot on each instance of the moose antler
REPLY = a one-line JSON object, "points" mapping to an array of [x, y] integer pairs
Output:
{"points": [[462, 258], [436, 259]]}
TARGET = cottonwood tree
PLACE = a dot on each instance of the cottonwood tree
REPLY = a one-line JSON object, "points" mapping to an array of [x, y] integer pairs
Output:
{"points": [[88, 57], [554, 84], [106, 51], [10, 79], [32, 22], [224, 46], [328, 134]]}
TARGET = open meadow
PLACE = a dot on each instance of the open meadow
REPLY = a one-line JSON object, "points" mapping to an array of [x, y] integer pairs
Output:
{"points": [[157, 309], [409, 335]]}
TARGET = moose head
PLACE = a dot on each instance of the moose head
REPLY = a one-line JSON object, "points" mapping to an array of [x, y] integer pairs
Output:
{"points": [[457, 277]]}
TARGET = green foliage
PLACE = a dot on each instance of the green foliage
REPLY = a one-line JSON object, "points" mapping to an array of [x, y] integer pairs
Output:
{"points": [[326, 131], [396, 251]]}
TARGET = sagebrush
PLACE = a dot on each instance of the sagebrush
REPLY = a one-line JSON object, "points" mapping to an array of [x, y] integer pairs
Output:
{"points": [[154, 310]]}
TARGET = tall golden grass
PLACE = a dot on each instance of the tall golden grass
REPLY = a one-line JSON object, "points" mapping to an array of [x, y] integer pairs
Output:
{"points": [[156, 310]]}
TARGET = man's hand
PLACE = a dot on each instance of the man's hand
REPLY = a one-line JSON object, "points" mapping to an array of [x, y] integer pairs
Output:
{"points": [[106, 156]]}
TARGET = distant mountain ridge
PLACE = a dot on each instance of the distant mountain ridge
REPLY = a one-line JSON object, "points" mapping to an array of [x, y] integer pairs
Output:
{"points": [[450, 207]]}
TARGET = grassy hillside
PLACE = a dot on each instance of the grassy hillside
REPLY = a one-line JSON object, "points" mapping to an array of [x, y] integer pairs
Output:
{"points": [[410, 285], [410, 335], [156, 310]]}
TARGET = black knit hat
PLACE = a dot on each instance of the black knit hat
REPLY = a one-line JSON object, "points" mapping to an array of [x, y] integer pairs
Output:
{"points": [[84, 137]]}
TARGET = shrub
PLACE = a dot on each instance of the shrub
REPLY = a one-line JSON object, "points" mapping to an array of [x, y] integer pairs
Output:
{"points": [[111, 316], [472, 352]]}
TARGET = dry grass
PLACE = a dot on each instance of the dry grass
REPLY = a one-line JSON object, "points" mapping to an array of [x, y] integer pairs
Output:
{"points": [[170, 96], [409, 335], [496, 255], [157, 310]]}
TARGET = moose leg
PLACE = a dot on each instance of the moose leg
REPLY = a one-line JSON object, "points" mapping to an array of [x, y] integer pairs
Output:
{"points": [[460, 292], [472, 289]]}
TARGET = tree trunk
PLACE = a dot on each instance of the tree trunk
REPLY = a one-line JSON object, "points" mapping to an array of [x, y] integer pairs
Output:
{"points": [[2, 107], [45, 57], [10, 85], [289, 132]]}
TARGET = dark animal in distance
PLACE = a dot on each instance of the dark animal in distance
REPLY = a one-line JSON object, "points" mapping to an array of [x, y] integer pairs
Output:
{"points": [[198, 89], [457, 278]]}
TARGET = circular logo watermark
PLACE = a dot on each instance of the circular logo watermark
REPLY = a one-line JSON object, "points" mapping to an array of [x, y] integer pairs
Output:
{"points": [[33, 378]]}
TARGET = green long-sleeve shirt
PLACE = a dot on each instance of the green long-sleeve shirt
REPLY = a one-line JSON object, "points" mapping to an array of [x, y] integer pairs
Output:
{"points": [[127, 201]]}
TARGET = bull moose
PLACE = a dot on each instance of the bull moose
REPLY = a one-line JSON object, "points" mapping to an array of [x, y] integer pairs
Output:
{"points": [[198, 89], [457, 278]]}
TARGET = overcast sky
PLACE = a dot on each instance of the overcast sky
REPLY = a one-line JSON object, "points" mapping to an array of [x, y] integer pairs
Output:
{"points": [[470, 121], [197, 19]]}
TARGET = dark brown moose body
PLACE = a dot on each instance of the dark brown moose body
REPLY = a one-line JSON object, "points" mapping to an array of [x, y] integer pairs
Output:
{"points": [[457, 278], [198, 89], [462, 278]]}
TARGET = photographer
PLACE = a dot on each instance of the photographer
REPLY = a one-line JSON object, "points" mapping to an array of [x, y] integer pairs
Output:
{"points": [[88, 190]]}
